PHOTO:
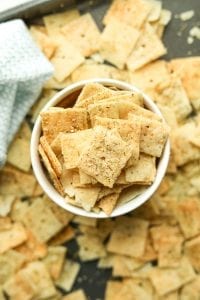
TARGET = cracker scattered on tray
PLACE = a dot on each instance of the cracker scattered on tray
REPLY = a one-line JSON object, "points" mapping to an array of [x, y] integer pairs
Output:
{"points": [[65, 60], [68, 275], [128, 233], [128, 12], [83, 33], [166, 280], [148, 48], [117, 41]]}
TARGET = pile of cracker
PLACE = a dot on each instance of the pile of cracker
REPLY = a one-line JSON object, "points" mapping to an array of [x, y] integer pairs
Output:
{"points": [[153, 253], [105, 143], [77, 48]]}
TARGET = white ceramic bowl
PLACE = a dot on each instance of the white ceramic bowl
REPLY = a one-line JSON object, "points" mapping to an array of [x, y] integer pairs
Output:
{"points": [[48, 186]]}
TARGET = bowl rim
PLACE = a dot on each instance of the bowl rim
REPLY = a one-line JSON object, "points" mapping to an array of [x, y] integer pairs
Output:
{"points": [[48, 187]]}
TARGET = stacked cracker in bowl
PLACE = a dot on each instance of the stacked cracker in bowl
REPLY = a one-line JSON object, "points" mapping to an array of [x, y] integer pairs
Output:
{"points": [[152, 253], [107, 142]]}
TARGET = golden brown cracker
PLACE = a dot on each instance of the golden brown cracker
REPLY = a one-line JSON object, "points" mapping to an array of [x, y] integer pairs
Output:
{"points": [[63, 120], [128, 12], [12, 237], [83, 33], [72, 145], [105, 157], [117, 41], [148, 48], [128, 237], [143, 171]]}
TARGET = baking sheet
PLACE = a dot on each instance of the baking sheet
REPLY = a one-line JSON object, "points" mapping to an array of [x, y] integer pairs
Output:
{"points": [[91, 279]]}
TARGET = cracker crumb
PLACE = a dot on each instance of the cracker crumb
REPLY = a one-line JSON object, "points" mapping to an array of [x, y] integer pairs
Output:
{"points": [[186, 15], [195, 32], [190, 40]]}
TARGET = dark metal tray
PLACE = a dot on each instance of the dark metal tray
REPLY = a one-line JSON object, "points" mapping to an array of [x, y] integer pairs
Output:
{"points": [[91, 279]]}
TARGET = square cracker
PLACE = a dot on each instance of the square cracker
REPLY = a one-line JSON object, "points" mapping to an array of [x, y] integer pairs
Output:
{"points": [[150, 76], [172, 94], [143, 171], [83, 33], [33, 281], [11, 261], [54, 260], [91, 247], [12, 237], [166, 280], [65, 60], [167, 241], [148, 48], [132, 12], [15, 182], [68, 275], [32, 249], [20, 147], [72, 145], [129, 132], [117, 41], [56, 165], [108, 203], [56, 182], [184, 209], [37, 275], [153, 135], [41, 220], [183, 150], [63, 120], [105, 156], [188, 68], [55, 22], [128, 237]]}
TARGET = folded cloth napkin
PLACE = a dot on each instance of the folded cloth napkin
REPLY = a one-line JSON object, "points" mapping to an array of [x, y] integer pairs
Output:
{"points": [[23, 71]]}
